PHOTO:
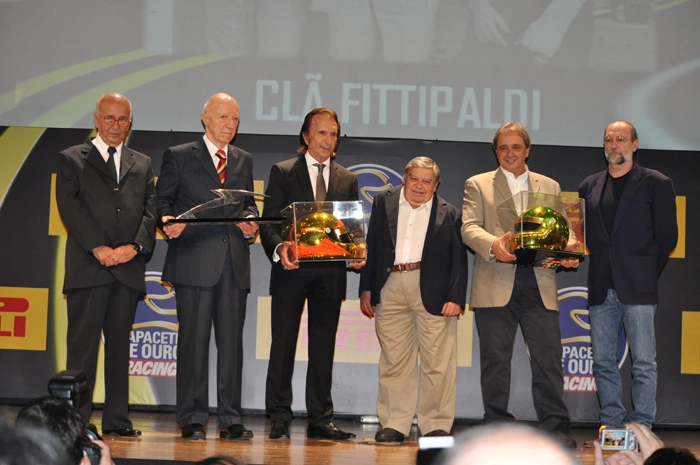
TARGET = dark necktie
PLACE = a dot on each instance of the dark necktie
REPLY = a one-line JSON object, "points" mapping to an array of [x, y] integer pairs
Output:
{"points": [[110, 163], [320, 183], [221, 167]]}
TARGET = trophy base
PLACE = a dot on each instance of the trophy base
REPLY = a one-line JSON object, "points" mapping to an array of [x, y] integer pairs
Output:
{"points": [[543, 258]]}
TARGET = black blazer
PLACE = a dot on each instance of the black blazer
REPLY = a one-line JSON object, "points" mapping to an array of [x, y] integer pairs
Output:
{"points": [[187, 177], [444, 269], [289, 182], [644, 234], [96, 210]]}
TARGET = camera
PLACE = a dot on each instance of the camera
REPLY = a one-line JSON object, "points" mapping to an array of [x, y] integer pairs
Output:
{"points": [[91, 450], [71, 386], [617, 439]]}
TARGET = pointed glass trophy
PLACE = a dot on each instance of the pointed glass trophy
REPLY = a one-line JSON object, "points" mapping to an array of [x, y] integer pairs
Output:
{"points": [[326, 231], [546, 229], [207, 212]]}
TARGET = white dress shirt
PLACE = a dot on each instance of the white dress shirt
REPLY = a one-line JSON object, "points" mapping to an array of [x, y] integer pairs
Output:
{"points": [[411, 230]]}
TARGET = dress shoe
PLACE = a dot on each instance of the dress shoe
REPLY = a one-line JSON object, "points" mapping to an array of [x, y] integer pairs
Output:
{"points": [[388, 435], [126, 432], [561, 435], [279, 430], [437, 433], [193, 431], [236, 432], [329, 431]]}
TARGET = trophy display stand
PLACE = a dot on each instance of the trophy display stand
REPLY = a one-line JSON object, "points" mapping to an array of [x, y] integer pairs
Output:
{"points": [[212, 212], [326, 231]]}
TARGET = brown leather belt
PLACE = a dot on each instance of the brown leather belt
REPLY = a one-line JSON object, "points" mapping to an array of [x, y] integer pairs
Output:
{"points": [[404, 267]]}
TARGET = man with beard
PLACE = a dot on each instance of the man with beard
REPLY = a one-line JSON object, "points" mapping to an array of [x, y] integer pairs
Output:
{"points": [[631, 230]]}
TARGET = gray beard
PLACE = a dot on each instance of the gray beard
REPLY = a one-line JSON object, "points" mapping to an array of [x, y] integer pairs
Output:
{"points": [[621, 160]]}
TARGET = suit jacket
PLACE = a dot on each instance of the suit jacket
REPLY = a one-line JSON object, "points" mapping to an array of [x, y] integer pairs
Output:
{"points": [[444, 269], [96, 210], [187, 177], [492, 282], [644, 234], [289, 182]]}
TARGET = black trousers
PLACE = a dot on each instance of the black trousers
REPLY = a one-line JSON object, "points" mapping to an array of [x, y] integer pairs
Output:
{"points": [[224, 306], [108, 309], [323, 317], [497, 328]]}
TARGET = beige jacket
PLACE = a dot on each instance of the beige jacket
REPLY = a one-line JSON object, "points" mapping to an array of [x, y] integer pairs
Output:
{"points": [[492, 281]]}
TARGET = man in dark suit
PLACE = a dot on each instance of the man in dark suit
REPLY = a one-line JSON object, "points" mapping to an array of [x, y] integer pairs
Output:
{"points": [[209, 267], [415, 283], [106, 199], [631, 230], [322, 284]]}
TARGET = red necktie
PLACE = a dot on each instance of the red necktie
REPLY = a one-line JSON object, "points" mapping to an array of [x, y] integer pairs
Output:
{"points": [[221, 167]]}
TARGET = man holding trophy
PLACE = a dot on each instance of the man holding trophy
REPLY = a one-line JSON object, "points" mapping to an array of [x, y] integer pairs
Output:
{"points": [[505, 294], [313, 176]]}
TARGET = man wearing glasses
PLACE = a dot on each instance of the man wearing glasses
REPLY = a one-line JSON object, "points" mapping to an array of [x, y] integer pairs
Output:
{"points": [[106, 198], [631, 230]]}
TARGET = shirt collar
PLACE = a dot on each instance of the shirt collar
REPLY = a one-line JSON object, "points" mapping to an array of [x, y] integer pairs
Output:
{"points": [[311, 161], [212, 147], [102, 146], [523, 178]]}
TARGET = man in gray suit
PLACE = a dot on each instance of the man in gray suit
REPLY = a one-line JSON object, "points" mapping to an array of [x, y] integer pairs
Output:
{"points": [[106, 199], [505, 295], [209, 267]]}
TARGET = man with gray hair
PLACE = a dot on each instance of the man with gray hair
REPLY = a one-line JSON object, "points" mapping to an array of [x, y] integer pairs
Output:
{"points": [[106, 197], [415, 284]]}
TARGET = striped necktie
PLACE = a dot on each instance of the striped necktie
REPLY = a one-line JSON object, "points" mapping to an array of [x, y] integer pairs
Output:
{"points": [[221, 167]]}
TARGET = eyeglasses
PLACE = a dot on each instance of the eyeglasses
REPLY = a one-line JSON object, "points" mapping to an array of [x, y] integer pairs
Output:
{"points": [[109, 120], [619, 139]]}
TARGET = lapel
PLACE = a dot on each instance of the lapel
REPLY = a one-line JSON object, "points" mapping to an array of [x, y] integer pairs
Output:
{"points": [[392, 212], [232, 160], [630, 190], [301, 172], [127, 161], [501, 190], [92, 156], [200, 152], [437, 216], [596, 196], [332, 179]]}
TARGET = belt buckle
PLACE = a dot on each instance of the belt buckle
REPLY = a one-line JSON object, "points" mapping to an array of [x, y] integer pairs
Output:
{"points": [[404, 270]]}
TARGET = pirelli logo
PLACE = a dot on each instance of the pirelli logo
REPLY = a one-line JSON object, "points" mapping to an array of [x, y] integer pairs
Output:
{"points": [[23, 318]]}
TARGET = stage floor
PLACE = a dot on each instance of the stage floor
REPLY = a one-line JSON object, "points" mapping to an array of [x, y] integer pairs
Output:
{"points": [[161, 441]]}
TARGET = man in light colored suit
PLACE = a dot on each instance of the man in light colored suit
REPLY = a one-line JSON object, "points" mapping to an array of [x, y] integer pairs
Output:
{"points": [[209, 266], [415, 283], [106, 198], [505, 295]]}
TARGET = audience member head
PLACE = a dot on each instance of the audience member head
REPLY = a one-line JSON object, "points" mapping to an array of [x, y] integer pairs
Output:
{"points": [[671, 456], [220, 460], [25, 445], [59, 418], [507, 444]]}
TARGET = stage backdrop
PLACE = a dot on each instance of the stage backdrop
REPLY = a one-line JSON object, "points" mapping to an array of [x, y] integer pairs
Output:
{"points": [[422, 69], [33, 309]]}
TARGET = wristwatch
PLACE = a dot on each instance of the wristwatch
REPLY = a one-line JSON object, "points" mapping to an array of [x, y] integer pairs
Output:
{"points": [[137, 247]]}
